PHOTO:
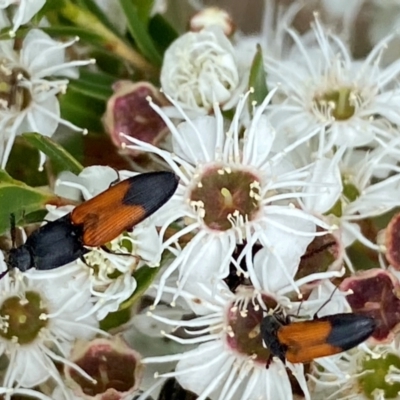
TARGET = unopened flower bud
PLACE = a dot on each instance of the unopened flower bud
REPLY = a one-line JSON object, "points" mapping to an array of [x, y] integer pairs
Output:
{"points": [[200, 69]]}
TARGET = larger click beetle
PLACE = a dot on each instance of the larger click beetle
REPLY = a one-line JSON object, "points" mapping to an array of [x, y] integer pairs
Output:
{"points": [[94, 222]]}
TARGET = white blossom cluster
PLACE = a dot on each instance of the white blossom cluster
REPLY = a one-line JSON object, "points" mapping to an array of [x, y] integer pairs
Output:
{"points": [[285, 205]]}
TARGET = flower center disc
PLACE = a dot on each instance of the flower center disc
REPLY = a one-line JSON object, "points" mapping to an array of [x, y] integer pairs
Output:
{"points": [[244, 334], [20, 318], [110, 369], [381, 376], [223, 196], [339, 102], [12, 95]]}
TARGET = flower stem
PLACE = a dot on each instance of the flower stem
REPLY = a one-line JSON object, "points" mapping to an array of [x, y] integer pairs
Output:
{"points": [[85, 19]]}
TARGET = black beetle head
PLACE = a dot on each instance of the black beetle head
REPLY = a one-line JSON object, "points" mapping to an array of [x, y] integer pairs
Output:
{"points": [[19, 258]]}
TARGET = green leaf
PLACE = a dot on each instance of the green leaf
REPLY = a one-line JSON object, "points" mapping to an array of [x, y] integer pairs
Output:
{"points": [[82, 110], [138, 30], [258, 79], [108, 64], [162, 32], [50, 6], [33, 217], [54, 151], [94, 9], [98, 77], [144, 277], [71, 31], [20, 199], [115, 319], [28, 170], [89, 89], [144, 8]]}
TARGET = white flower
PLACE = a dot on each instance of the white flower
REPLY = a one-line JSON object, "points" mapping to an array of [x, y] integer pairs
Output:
{"points": [[29, 102], [361, 197], [230, 361], [231, 191], [108, 272], [38, 325], [199, 69], [326, 89], [24, 10]]}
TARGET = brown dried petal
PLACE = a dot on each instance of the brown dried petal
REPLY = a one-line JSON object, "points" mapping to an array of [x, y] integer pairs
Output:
{"points": [[128, 111], [392, 242], [114, 366]]}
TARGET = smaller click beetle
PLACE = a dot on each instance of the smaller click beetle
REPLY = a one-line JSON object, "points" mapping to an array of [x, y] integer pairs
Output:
{"points": [[303, 341]]}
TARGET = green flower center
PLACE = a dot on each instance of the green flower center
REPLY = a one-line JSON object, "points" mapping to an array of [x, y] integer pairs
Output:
{"points": [[379, 378], [22, 318], [225, 197], [244, 328], [12, 95], [340, 103]]}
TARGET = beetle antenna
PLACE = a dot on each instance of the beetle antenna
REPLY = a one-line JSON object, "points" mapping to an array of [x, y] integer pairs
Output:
{"points": [[4, 273], [326, 302], [13, 230], [117, 179]]}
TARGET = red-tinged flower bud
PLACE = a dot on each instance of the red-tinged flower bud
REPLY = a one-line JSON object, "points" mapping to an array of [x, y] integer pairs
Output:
{"points": [[212, 16], [115, 368], [128, 111], [375, 293], [392, 242]]}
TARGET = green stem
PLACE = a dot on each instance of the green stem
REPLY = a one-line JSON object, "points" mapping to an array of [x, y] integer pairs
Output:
{"points": [[86, 20]]}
